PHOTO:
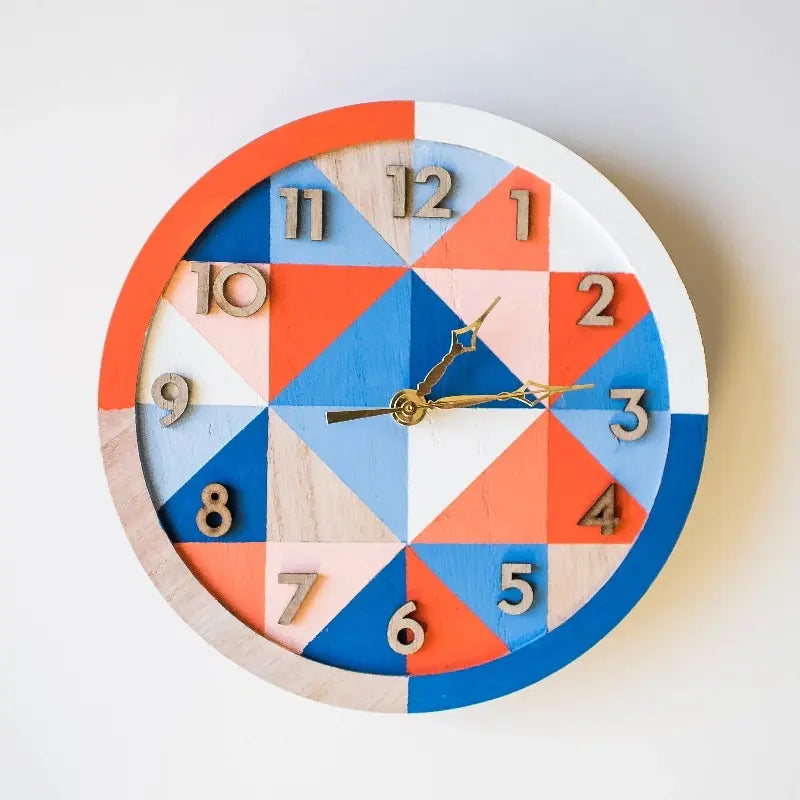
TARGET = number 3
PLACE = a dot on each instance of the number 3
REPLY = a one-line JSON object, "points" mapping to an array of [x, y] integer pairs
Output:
{"points": [[508, 580], [633, 406]]}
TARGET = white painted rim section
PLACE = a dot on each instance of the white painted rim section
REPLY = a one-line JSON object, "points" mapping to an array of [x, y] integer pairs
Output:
{"points": [[551, 161]]}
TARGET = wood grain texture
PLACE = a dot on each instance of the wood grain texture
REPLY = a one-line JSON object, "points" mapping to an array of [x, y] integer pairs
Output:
{"points": [[306, 501], [575, 572], [202, 612], [360, 175]]}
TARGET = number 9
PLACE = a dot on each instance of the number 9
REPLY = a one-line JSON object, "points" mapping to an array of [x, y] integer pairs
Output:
{"points": [[175, 405]]}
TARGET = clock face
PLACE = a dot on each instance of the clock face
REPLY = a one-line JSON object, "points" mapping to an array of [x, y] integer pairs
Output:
{"points": [[399, 419]]}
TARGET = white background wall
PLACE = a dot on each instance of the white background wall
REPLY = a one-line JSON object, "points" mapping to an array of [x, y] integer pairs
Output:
{"points": [[108, 111]]}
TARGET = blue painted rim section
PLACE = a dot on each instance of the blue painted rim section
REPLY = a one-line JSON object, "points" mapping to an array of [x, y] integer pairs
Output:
{"points": [[594, 620]]}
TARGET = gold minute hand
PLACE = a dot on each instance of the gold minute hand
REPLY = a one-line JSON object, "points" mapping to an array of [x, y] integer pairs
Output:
{"points": [[456, 349], [530, 393]]}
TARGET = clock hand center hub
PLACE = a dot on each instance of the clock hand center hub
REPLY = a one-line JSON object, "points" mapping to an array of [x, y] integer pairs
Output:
{"points": [[410, 407]]}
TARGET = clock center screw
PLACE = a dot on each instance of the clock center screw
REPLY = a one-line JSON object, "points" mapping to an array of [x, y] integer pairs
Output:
{"points": [[410, 407]]}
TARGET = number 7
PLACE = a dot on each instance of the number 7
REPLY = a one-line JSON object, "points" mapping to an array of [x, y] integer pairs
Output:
{"points": [[304, 581]]}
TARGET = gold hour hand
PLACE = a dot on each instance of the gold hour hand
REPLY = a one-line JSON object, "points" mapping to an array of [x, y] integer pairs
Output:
{"points": [[456, 349]]}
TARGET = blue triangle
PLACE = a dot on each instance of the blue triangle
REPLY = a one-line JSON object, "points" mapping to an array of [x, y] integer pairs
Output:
{"points": [[347, 238], [370, 456], [636, 465], [366, 364], [472, 573], [474, 175], [636, 361], [241, 467], [170, 456], [481, 372], [356, 637], [239, 233]]}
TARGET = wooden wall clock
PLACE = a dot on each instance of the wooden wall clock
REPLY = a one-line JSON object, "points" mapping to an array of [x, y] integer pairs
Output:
{"points": [[403, 406]]}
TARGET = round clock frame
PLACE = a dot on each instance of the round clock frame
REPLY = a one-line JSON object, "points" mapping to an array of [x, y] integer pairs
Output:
{"points": [[346, 127]]}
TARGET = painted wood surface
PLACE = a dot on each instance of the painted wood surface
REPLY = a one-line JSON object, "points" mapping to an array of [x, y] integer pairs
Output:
{"points": [[385, 514]]}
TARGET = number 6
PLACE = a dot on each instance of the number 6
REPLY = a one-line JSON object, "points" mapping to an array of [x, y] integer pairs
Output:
{"points": [[401, 621]]}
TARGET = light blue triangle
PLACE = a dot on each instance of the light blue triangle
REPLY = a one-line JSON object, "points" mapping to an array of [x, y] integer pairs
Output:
{"points": [[636, 465], [347, 238], [474, 175], [366, 364], [636, 361], [472, 573], [170, 456], [369, 455]]}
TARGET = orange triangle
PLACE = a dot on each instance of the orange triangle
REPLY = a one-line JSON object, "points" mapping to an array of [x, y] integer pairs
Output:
{"points": [[507, 502], [454, 637], [575, 480], [485, 237], [310, 306], [233, 573], [575, 348]]}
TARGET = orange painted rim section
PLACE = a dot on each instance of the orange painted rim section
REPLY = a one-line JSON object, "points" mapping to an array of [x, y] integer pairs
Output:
{"points": [[215, 191]]}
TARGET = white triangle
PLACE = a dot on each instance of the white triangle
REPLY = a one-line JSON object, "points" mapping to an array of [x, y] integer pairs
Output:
{"points": [[449, 449], [578, 243], [173, 345]]}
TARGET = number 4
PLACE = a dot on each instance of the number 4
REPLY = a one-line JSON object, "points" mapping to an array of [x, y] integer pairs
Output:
{"points": [[603, 512]]}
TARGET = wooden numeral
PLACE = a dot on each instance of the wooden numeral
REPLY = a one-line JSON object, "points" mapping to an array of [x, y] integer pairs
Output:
{"points": [[304, 581], [174, 405], [509, 580], [204, 288], [633, 406], [431, 208], [215, 498], [602, 512], [595, 316], [401, 620], [291, 195], [397, 173], [523, 198]]}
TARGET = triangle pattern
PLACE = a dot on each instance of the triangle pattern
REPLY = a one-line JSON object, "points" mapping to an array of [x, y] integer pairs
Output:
{"points": [[575, 481], [472, 573], [366, 364], [170, 456], [359, 173], [575, 348], [347, 238], [243, 342], [473, 174], [575, 572], [635, 361], [454, 636], [241, 467], [578, 243], [479, 372], [173, 345], [370, 457], [355, 639], [343, 571], [449, 449], [506, 503], [485, 237], [517, 329], [233, 573], [240, 233], [311, 306], [306, 501], [637, 465]]}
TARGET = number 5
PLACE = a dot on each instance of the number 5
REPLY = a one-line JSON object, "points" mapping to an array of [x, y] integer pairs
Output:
{"points": [[509, 581]]}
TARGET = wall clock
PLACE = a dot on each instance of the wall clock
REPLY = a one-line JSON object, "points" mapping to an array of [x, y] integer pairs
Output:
{"points": [[403, 406]]}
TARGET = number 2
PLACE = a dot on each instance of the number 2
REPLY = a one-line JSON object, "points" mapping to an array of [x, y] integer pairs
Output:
{"points": [[594, 316]]}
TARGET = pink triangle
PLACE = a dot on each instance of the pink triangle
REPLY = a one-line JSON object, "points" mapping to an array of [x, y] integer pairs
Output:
{"points": [[242, 341], [517, 329]]}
